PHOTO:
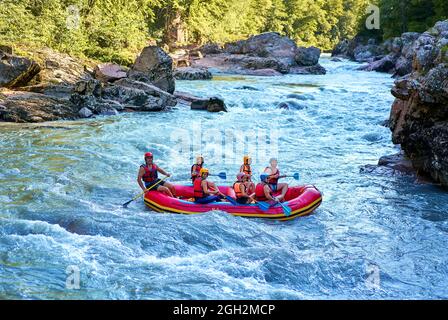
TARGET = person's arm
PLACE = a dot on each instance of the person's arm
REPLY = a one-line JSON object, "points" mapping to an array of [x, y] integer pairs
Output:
{"points": [[243, 190], [242, 168], [141, 172], [205, 188], [267, 193], [163, 172]]}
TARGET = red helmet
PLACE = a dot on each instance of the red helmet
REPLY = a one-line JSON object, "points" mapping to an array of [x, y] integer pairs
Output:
{"points": [[148, 154]]}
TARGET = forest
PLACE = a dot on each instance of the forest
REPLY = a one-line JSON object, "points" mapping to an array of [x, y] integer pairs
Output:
{"points": [[116, 30]]}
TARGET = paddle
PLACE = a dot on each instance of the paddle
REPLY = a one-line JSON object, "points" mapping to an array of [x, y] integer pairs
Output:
{"points": [[296, 176], [262, 205], [286, 210], [125, 205], [222, 175]]}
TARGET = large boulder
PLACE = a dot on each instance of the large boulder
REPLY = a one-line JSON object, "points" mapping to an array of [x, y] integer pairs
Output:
{"points": [[211, 105], [188, 73], [307, 56], [385, 64], [154, 66], [16, 71]]}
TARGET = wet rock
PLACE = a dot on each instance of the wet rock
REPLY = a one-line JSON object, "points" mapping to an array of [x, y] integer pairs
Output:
{"points": [[133, 98], [211, 105], [247, 88], [90, 87], [300, 96], [397, 162], [85, 113], [154, 66], [109, 72], [290, 104], [188, 73], [307, 57], [336, 60], [386, 64], [34, 107], [312, 70], [259, 72], [16, 71]]}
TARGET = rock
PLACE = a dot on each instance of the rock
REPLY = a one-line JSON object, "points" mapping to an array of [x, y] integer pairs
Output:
{"points": [[154, 66], [259, 72], [366, 53], [211, 48], [109, 72], [403, 66], [315, 70], [336, 60], [397, 162], [107, 111], [290, 104], [211, 105], [188, 73], [419, 114], [89, 87], [307, 56], [16, 71], [34, 107], [257, 63], [386, 64], [302, 97], [247, 88], [167, 99], [85, 113]]}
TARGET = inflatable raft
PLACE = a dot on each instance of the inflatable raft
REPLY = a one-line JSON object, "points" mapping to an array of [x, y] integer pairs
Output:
{"points": [[302, 200]]}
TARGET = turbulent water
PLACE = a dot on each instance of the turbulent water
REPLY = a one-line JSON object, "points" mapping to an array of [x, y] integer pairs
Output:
{"points": [[375, 236]]}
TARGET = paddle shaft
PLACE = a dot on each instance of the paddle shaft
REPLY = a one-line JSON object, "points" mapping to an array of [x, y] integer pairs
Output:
{"points": [[146, 190]]}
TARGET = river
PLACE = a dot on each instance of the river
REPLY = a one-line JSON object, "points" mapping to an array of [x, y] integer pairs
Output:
{"points": [[374, 236]]}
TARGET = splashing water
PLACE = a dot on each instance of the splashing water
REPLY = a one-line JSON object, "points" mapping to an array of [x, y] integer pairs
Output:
{"points": [[62, 185]]}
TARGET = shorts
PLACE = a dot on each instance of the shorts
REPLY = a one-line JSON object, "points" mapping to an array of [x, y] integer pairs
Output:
{"points": [[150, 184], [207, 199]]}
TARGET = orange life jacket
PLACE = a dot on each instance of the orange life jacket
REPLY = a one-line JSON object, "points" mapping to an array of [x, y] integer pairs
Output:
{"points": [[197, 188], [237, 187], [259, 192], [150, 173], [247, 169]]}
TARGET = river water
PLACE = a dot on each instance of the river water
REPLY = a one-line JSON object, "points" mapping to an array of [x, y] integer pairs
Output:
{"points": [[375, 236]]}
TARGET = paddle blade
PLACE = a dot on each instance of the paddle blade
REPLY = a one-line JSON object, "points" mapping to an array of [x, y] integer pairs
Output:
{"points": [[263, 205], [125, 205], [296, 176], [231, 200], [222, 175], [286, 209]]}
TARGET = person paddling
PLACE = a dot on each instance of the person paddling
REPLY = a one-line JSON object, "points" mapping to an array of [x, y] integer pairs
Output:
{"points": [[196, 168], [246, 168], [148, 177], [203, 193], [240, 189], [274, 175], [263, 190]]}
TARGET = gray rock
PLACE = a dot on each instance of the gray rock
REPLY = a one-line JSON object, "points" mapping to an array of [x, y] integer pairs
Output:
{"points": [[109, 72], [154, 66], [6, 49], [211, 105], [211, 48], [306, 57], [189, 73], [85, 113]]}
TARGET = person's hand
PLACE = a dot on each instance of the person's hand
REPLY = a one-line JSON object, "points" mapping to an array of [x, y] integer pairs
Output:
{"points": [[168, 175]]}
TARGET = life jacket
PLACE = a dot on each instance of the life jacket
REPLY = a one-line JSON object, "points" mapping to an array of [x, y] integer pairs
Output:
{"points": [[273, 180], [259, 192], [197, 188], [195, 173], [150, 173], [237, 189], [247, 169]]}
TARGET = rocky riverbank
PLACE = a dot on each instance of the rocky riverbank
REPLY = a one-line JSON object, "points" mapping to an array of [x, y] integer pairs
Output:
{"points": [[266, 54]]}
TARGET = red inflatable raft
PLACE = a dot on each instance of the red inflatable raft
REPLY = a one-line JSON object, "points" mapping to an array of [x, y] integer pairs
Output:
{"points": [[302, 200]]}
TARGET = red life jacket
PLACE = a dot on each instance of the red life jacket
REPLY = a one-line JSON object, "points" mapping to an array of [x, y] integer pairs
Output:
{"points": [[247, 169], [259, 192], [197, 188], [195, 173], [273, 180], [150, 173], [237, 187]]}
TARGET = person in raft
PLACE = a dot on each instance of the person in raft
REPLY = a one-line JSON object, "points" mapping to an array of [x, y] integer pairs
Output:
{"points": [[148, 177], [240, 188], [274, 175], [246, 168], [263, 190], [196, 168], [202, 193]]}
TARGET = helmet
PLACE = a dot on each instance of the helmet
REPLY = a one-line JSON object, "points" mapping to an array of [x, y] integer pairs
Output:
{"points": [[246, 159], [203, 170], [240, 176], [148, 154], [264, 176]]}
